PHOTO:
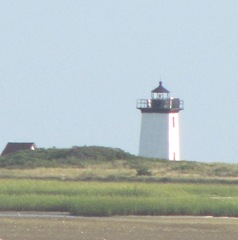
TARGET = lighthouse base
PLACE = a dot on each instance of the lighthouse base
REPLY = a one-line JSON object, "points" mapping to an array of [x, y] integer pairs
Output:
{"points": [[159, 137]]}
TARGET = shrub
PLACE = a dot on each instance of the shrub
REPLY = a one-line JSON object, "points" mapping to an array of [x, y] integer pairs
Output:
{"points": [[60, 157], [143, 171]]}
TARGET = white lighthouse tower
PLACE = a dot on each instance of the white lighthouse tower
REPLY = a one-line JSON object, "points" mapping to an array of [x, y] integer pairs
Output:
{"points": [[159, 136]]}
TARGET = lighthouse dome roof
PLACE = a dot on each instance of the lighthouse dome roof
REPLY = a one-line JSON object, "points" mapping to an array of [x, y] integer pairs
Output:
{"points": [[160, 89]]}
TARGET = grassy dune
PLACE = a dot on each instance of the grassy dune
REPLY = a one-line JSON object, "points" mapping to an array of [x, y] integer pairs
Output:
{"points": [[106, 172], [98, 181], [107, 164]]}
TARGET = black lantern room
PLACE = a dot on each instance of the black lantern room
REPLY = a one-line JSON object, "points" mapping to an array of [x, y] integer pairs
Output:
{"points": [[160, 102]]}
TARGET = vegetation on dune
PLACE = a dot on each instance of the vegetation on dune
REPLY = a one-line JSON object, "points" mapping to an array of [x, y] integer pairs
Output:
{"points": [[120, 184], [53, 157], [109, 164]]}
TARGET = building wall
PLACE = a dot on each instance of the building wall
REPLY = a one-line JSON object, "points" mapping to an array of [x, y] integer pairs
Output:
{"points": [[154, 137], [159, 137]]}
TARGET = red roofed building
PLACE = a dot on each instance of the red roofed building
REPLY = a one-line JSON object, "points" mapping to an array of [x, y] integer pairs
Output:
{"points": [[15, 147]]}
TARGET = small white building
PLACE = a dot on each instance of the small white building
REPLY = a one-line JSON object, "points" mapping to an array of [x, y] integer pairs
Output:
{"points": [[159, 136]]}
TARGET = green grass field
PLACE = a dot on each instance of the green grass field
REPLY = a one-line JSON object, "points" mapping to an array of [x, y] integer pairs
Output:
{"points": [[115, 198], [99, 181]]}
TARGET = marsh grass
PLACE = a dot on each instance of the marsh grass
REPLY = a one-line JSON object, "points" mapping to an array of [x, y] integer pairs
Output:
{"points": [[108, 198], [120, 184]]}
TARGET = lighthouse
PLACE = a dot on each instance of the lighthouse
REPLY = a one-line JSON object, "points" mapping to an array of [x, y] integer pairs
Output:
{"points": [[159, 136]]}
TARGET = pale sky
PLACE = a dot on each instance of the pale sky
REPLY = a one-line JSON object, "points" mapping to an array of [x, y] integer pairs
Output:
{"points": [[71, 72]]}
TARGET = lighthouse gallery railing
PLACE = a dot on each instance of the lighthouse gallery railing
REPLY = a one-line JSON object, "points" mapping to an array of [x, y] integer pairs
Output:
{"points": [[171, 103]]}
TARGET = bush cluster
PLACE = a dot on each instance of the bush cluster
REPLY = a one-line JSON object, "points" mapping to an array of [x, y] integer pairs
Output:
{"points": [[53, 157]]}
